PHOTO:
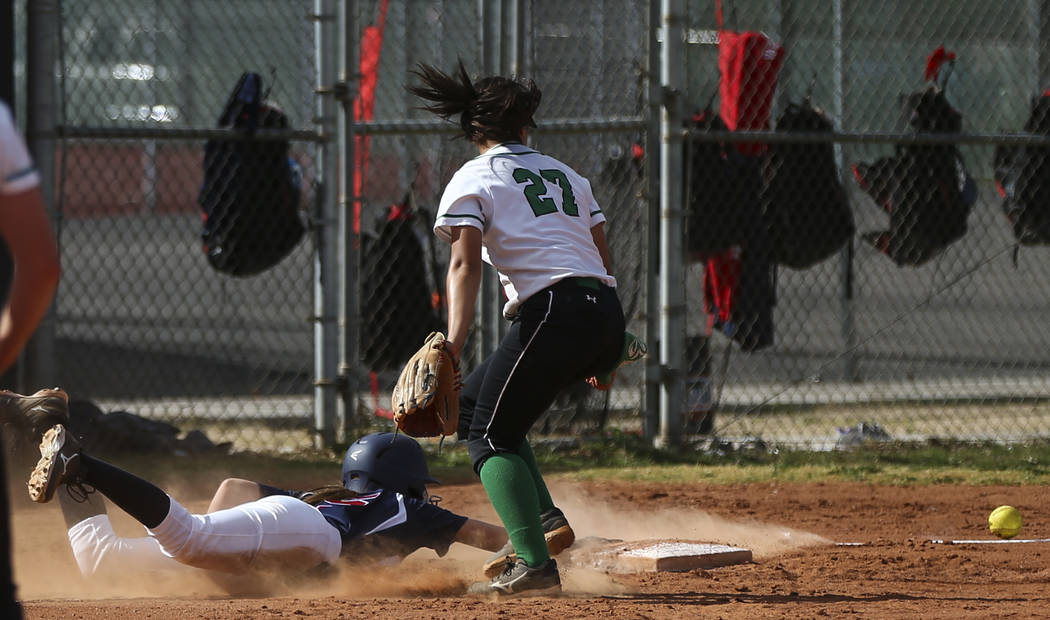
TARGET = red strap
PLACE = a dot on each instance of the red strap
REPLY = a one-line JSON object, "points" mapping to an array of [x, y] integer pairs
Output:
{"points": [[399, 213], [718, 14], [381, 22], [934, 61], [364, 102], [721, 275], [373, 383]]}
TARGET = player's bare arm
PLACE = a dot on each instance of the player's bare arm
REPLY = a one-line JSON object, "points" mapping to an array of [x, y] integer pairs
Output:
{"points": [[462, 283], [481, 535], [26, 229], [598, 234], [234, 492]]}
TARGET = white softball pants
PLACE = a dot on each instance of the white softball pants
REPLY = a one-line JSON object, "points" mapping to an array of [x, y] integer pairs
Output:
{"points": [[276, 533]]}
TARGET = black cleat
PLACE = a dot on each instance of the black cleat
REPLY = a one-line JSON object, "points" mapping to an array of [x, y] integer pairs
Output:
{"points": [[556, 530], [518, 579], [59, 464], [36, 413]]}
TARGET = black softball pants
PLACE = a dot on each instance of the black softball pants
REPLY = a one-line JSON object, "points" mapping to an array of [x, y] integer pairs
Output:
{"points": [[563, 334]]}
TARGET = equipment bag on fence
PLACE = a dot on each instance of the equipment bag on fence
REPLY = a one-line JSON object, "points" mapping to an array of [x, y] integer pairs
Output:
{"points": [[926, 189], [250, 195], [805, 204], [749, 64], [722, 181], [739, 275], [721, 206], [399, 303], [1023, 178]]}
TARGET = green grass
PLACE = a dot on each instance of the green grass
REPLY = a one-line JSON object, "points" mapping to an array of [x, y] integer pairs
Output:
{"points": [[624, 456], [628, 457]]}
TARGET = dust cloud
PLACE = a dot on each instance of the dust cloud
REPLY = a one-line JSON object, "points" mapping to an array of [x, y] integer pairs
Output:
{"points": [[45, 568], [592, 516]]}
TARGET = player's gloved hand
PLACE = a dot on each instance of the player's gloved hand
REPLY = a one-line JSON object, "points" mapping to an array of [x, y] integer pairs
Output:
{"points": [[425, 400], [633, 350]]}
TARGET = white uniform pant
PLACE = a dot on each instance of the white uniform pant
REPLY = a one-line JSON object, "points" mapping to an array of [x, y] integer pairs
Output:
{"points": [[276, 533]]}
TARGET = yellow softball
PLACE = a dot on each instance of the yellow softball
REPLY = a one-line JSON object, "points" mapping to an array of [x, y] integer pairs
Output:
{"points": [[1005, 522]]}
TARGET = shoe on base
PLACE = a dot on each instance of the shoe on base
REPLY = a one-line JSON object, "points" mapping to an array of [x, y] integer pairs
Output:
{"points": [[59, 463], [556, 531], [634, 349], [518, 579], [35, 413]]}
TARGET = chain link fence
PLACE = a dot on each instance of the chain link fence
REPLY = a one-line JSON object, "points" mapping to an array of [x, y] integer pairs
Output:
{"points": [[869, 340], [926, 321], [412, 155], [143, 323]]}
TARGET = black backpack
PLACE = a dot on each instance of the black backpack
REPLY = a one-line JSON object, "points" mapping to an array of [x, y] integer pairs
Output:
{"points": [[396, 274], [1023, 177], [925, 188], [804, 202], [722, 206], [250, 195]]}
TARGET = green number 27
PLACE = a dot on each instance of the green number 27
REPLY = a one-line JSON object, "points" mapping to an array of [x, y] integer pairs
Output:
{"points": [[537, 189]]}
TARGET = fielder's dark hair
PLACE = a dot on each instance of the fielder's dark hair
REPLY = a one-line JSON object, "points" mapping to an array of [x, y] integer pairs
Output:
{"points": [[493, 108]]}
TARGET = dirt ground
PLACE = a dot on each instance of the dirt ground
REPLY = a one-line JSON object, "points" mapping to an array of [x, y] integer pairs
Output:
{"points": [[800, 569]]}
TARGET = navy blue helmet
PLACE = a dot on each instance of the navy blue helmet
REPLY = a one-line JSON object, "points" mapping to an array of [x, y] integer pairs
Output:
{"points": [[388, 461]]}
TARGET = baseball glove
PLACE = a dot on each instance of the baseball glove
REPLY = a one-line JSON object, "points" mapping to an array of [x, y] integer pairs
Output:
{"points": [[425, 400]]}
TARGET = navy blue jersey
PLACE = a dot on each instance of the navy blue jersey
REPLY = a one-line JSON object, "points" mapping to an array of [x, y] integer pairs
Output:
{"points": [[386, 524]]}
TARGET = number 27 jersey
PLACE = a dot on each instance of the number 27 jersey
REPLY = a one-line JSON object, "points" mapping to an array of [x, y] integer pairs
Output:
{"points": [[535, 214]]}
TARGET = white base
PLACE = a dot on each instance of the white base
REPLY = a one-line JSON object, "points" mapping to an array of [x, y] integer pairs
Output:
{"points": [[660, 555]]}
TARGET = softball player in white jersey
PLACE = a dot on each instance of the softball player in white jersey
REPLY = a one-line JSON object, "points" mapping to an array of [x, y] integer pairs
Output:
{"points": [[535, 220]]}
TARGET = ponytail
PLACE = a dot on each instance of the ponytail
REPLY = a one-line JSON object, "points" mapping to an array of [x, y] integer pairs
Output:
{"points": [[451, 95], [493, 108], [333, 492]]}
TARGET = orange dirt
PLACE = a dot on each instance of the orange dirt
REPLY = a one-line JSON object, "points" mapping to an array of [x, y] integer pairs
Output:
{"points": [[798, 570]]}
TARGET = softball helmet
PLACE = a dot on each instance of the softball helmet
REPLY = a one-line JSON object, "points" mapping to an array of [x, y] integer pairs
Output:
{"points": [[387, 461]]}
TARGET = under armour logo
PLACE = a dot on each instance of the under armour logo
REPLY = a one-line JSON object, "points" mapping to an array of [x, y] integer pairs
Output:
{"points": [[593, 300]]}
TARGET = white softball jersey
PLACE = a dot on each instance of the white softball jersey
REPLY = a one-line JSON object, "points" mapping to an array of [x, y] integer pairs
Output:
{"points": [[535, 214], [17, 173]]}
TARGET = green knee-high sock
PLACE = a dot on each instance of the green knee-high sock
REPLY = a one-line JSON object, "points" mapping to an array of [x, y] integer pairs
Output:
{"points": [[527, 455], [512, 492]]}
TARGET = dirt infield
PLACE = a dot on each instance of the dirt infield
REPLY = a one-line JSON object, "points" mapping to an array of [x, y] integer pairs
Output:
{"points": [[798, 570]]}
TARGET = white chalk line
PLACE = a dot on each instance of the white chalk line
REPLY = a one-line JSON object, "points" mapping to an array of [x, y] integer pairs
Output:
{"points": [[940, 541]]}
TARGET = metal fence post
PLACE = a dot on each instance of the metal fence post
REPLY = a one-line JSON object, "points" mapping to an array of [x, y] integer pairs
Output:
{"points": [[326, 284], [489, 311], [672, 268], [349, 246], [651, 394], [851, 370], [42, 24], [1038, 29], [515, 33]]}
